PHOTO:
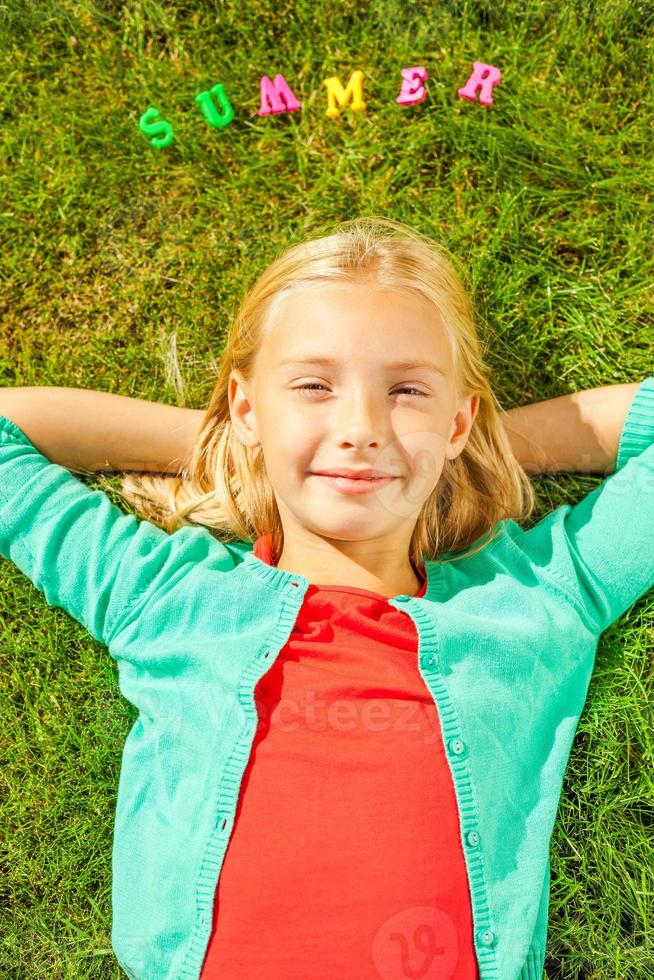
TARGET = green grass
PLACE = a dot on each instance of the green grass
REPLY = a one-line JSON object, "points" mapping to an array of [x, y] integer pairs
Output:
{"points": [[122, 265]]}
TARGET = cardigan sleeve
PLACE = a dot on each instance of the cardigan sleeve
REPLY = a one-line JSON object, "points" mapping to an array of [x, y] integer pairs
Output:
{"points": [[600, 551], [85, 554]]}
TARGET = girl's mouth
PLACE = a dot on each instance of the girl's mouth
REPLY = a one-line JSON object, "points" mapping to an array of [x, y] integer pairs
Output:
{"points": [[346, 485]]}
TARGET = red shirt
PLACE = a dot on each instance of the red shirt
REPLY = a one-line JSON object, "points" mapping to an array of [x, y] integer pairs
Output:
{"points": [[345, 858]]}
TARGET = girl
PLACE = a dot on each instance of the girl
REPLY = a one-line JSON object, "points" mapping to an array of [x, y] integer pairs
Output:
{"points": [[357, 693]]}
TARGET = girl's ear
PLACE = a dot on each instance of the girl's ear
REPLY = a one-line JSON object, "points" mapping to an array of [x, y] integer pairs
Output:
{"points": [[241, 411], [465, 416]]}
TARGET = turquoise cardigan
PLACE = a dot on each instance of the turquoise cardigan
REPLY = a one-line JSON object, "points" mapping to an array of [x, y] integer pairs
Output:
{"points": [[507, 642]]}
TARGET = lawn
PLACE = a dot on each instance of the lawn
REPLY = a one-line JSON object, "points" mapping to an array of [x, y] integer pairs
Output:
{"points": [[122, 264]]}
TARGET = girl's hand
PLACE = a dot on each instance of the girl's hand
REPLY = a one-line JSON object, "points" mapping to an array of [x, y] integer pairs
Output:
{"points": [[579, 433], [83, 429]]}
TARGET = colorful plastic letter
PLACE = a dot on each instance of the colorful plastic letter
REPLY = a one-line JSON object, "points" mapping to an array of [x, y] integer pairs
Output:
{"points": [[483, 77], [279, 96], [336, 93], [216, 119], [160, 131], [413, 89]]}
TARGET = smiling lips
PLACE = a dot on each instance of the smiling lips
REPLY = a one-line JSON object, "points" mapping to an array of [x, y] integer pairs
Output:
{"points": [[367, 474], [357, 485]]}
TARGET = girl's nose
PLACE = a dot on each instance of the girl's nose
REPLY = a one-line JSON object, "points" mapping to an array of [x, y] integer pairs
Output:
{"points": [[361, 420]]}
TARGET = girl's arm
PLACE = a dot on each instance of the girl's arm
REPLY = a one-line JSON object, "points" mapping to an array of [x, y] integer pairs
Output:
{"points": [[578, 433], [83, 429]]}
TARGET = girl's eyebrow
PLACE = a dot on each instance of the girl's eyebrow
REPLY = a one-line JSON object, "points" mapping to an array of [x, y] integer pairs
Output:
{"points": [[395, 366]]}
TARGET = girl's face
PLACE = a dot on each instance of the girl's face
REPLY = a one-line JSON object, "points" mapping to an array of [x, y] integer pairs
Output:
{"points": [[327, 392]]}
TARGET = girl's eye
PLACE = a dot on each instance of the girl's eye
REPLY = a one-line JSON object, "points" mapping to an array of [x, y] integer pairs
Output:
{"points": [[416, 390], [315, 384]]}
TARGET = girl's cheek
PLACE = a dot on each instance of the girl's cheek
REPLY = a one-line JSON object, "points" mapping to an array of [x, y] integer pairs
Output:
{"points": [[296, 424]]}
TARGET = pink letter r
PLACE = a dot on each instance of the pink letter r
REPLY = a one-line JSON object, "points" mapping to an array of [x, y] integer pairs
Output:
{"points": [[483, 77]]}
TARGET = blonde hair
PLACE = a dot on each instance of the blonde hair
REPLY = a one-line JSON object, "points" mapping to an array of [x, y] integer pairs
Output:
{"points": [[225, 486]]}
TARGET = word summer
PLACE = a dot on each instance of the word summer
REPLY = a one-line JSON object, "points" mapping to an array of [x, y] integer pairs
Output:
{"points": [[277, 97]]}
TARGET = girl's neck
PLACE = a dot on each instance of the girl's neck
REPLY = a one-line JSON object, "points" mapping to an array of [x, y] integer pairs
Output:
{"points": [[405, 583]]}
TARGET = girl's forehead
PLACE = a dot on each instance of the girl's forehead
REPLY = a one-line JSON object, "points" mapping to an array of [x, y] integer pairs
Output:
{"points": [[335, 312], [340, 323]]}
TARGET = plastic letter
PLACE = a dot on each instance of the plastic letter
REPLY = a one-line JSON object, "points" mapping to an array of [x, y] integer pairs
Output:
{"points": [[336, 93], [278, 96], [413, 89], [216, 119], [483, 77], [160, 130]]}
